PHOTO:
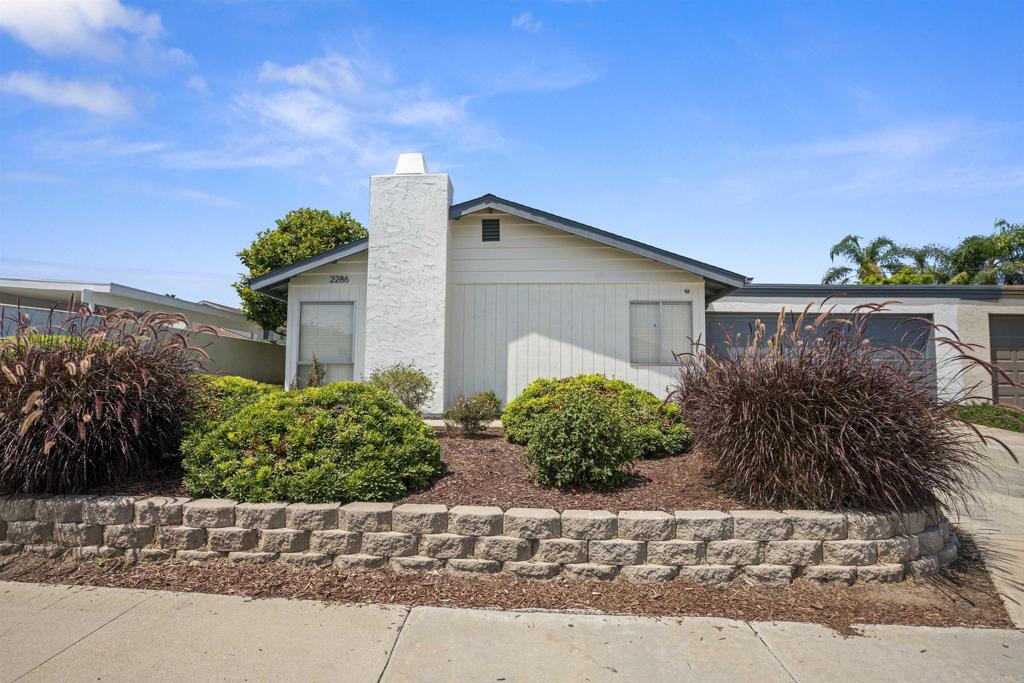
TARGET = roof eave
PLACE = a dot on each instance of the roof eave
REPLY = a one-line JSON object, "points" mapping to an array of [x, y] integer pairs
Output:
{"points": [[275, 283]]}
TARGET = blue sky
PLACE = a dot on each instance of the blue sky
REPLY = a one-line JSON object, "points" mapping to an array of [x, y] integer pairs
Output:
{"points": [[146, 143]]}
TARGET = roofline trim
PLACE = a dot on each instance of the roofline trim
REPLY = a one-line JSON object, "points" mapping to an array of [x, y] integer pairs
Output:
{"points": [[264, 283], [726, 278], [977, 292]]}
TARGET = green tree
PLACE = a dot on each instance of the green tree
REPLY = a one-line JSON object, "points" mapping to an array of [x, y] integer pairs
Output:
{"points": [[996, 259], [302, 233], [870, 263]]}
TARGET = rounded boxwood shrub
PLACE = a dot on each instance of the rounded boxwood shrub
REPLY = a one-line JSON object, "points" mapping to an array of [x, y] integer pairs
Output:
{"points": [[344, 441], [654, 426], [582, 440], [220, 396]]}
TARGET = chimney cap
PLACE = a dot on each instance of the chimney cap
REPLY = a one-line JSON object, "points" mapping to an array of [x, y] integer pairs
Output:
{"points": [[411, 163]]}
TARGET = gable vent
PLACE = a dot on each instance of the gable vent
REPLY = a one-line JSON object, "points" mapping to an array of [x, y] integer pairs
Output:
{"points": [[491, 230]]}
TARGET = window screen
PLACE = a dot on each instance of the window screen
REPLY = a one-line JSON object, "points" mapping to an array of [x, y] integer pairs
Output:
{"points": [[657, 329], [491, 230], [326, 330]]}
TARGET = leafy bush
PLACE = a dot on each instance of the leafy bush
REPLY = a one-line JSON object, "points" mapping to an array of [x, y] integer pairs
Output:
{"points": [[999, 416], [99, 399], [582, 440], [405, 382], [345, 441], [814, 416], [655, 426], [221, 396], [471, 414]]}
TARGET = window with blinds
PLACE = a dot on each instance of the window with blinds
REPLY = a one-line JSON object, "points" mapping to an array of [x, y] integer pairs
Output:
{"points": [[326, 331], [658, 329]]}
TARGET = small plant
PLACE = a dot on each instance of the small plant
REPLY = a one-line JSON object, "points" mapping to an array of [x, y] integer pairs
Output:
{"points": [[410, 385], [317, 373], [655, 426], [993, 415], [102, 397], [814, 416], [344, 441], [582, 441], [470, 415]]}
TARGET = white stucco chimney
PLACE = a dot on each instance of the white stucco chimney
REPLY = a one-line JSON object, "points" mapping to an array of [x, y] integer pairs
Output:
{"points": [[407, 271]]}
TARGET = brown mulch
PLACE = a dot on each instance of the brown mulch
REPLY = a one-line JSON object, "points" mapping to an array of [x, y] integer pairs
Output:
{"points": [[489, 471], [962, 596], [486, 470]]}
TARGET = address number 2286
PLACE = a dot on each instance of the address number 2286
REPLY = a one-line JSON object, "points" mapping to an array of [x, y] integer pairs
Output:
{"points": [[338, 279]]}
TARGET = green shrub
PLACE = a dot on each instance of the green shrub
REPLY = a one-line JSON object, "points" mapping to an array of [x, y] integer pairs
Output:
{"points": [[345, 441], [582, 440], [102, 399], [1001, 417], [653, 425], [406, 382], [470, 415], [221, 396]]}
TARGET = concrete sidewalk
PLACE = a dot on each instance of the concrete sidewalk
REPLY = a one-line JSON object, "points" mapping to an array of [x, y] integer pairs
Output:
{"points": [[54, 633]]}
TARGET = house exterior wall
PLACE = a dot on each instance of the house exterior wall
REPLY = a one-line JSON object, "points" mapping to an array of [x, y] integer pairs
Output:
{"points": [[316, 286], [973, 327], [541, 303]]}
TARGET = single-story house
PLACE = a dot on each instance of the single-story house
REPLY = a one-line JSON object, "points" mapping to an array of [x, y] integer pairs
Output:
{"points": [[490, 294]]}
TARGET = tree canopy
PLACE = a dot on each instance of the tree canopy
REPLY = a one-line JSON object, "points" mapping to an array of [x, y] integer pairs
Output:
{"points": [[992, 259], [302, 233]]}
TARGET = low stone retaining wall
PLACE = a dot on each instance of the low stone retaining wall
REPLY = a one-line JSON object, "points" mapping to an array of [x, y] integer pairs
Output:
{"points": [[702, 546]]}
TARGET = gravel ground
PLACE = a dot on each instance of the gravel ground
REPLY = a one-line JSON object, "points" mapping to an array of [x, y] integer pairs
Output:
{"points": [[962, 596]]}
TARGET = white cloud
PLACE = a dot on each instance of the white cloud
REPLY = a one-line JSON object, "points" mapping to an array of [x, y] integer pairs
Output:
{"points": [[527, 22], [102, 29], [197, 83], [332, 72], [94, 97], [335, 112]]}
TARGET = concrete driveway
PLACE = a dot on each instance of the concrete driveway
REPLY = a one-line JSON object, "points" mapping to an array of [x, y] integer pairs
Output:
{"points": [[56, 633], [997, 522]]}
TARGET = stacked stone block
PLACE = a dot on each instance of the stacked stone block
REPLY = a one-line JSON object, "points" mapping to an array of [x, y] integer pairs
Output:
{"points": [[701, 546]]}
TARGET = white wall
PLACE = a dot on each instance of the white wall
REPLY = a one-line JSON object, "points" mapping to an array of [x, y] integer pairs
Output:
{"points": [[407, 276], [316, 286], [541, 303]]}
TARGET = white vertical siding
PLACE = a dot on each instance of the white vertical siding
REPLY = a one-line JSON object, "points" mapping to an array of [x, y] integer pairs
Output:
{"points": [[536, 338], [541, 303], [316, 286]]}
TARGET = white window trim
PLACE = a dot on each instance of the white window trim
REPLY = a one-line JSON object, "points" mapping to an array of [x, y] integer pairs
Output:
{"points": [[298, 333], [629, 323]]}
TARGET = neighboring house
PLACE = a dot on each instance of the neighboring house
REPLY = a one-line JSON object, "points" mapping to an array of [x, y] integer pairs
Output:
{"points": [[490, 294], [236, 349], [36, 296]]}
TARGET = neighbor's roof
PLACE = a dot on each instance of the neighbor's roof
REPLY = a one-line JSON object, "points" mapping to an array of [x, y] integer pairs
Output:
{"points": [[879, 292], [717, 281]]}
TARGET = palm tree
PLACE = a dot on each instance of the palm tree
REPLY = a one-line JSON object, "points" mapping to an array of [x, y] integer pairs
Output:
{"points": [[870, 263], [996, 259], [929, 262]]}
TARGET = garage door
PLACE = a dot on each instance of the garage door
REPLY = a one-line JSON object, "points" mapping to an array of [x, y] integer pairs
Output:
{"points": [[884, 329], [1008, 353]]}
